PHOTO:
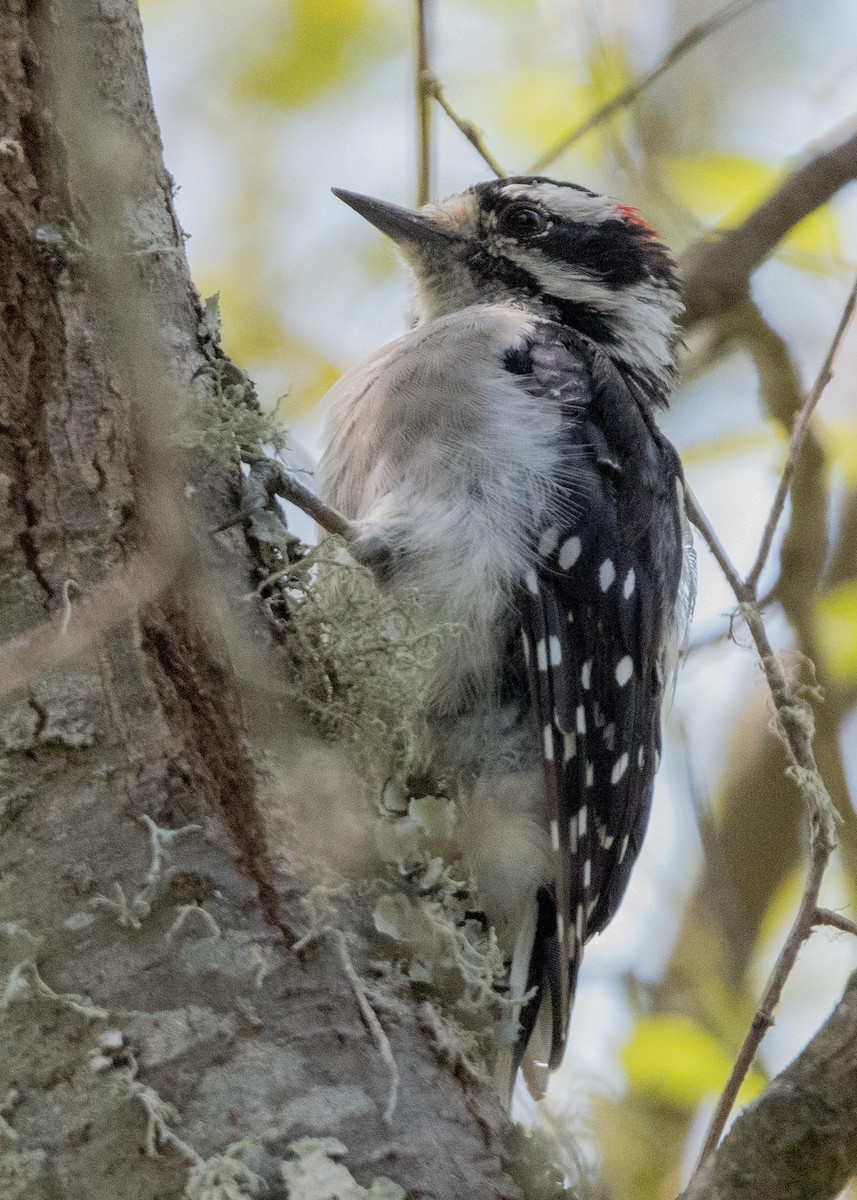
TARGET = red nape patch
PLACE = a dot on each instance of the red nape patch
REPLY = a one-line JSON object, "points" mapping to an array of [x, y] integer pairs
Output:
{"points": [[632, 215]]}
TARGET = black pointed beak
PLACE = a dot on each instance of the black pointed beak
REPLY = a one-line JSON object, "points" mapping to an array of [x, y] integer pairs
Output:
{"points": [[403, 225]]}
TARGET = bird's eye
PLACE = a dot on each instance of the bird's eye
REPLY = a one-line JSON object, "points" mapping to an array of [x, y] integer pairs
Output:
{"points": [[522, 221]]}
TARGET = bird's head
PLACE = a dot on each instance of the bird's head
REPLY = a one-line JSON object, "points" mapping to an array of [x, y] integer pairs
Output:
{"points": [[555, 248]]}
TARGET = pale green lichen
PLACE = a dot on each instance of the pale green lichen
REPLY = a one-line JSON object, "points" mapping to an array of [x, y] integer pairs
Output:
{"points": [[365, 664], [221, 1177], [224, 1177], [313, 1173], [18, 948], [132, 912], [365, 661], [228, 424]]}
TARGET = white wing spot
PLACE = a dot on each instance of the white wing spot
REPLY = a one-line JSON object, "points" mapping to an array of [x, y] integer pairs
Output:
{"points": [[532, 582], [586, 675], [609, 735], [560, 927], [571, 618], [587, 873], [570, 552], [624, 849], [572, 834], [549, 743], [624, 670], [641, 757], [581, 720], [555, 650], [526, 643], [569, 746], [541, 655], [578, 924], [657, 759], [620, 766], [590, 774], [554, 836], [592, 905], [629, 584], [581, 822], [606, 575], [606, 839], [549, 541]]}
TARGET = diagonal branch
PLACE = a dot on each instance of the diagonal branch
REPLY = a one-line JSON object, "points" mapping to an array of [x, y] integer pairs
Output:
{"points": [[794, 725], [433, 87], [716, 270], [689, 41], [799, 1140]]}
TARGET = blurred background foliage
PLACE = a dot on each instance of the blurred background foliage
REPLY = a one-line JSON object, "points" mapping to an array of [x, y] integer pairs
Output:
{"points": [[266, 104]]}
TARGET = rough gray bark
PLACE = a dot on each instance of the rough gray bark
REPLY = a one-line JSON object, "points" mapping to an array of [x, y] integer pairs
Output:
{"points": [[799, 1140], [125, 704]]}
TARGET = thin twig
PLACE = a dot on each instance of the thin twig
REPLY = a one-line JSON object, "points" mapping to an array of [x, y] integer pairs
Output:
{"points": [[434, 88], [325, 516], [826, 916], [424, 139], [795, 729], [800, 430], [764, 1016], [698, 33], [371, 1018], [698, 518]]}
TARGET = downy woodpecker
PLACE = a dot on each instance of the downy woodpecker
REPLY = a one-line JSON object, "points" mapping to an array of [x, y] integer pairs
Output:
{"points": [[503, 459]]}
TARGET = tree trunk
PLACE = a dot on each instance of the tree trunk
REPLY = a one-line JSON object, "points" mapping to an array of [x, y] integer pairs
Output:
{"points": [[146, 954]]}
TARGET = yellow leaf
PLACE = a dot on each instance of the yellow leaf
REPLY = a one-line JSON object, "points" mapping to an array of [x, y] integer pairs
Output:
{"points": [[723, 189], [543, 105], [837, 631], [840, 444], [781, 909], [671, 1059], [815, 237], [254, 336], [727, 445], [309, 45], [719, 188]]}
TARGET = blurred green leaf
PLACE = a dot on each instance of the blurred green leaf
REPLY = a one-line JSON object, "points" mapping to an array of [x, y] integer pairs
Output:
{"points": [[542, 105], [253, 334], [724, 189], [309, 46], [719, 187], [672, 1059], [840, 444], [837, 630], [766, 437]]}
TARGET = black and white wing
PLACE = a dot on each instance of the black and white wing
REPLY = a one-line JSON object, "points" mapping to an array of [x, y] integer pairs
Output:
{"points": [[597, 614]]}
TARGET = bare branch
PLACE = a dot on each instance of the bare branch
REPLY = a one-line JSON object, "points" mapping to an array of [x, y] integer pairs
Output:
{"points": [[764, 1017], [325, 516], [689, 41], [424, 139], [799, 1140], [826, 916], [716, 270], [698, 518], [794, 726], [433, 87], [798, 437]]}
